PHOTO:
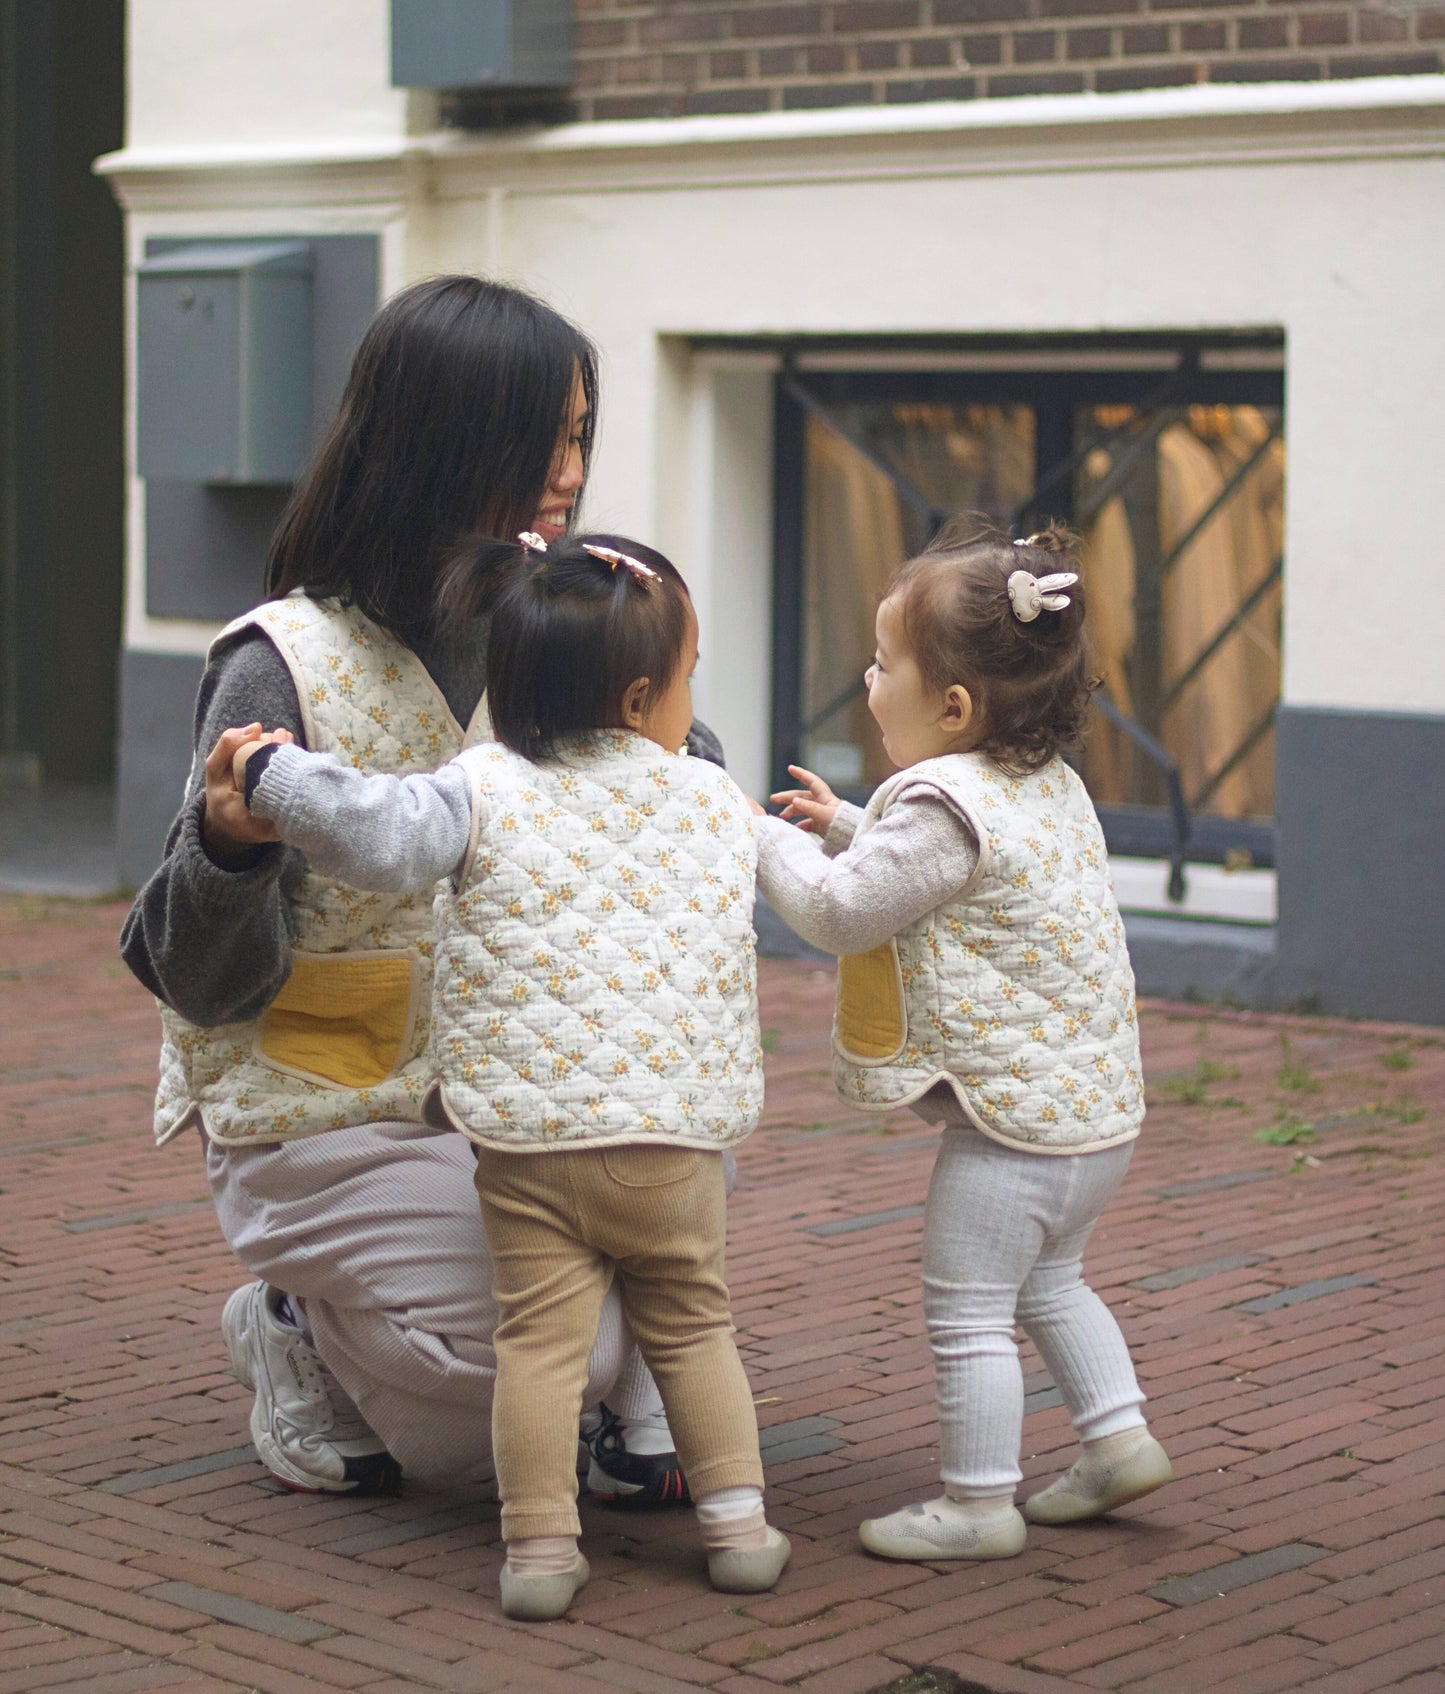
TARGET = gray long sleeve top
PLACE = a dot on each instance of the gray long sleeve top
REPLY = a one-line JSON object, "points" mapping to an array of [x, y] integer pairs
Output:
{"points": [[215, 944], [850, 899], [389, 833]]}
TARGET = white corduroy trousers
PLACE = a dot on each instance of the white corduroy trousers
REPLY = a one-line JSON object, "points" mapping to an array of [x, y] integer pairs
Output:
{"points": [[378, 1231]]}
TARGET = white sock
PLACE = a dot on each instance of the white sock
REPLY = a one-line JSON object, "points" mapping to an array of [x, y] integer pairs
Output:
{"points": [[543, 1555], [975, 1507], [733, 1518], [646, 1437], [726, 1505]]}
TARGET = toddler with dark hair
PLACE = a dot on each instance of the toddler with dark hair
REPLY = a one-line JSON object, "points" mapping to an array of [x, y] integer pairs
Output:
{"points": [[595, 1015], [984, 981]]}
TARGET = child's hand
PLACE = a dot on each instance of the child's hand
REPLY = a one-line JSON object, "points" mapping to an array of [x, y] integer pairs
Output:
{"points": [[754, 807], [242, 755], [814, 805], [228, 830]]}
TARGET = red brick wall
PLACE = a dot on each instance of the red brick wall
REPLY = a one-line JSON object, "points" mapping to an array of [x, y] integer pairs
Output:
{"points": [[664, 58]]}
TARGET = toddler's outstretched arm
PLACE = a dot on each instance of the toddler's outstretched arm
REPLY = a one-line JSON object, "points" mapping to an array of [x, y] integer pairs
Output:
{"points": [[389, 833], [814, 805], [917, 857]]}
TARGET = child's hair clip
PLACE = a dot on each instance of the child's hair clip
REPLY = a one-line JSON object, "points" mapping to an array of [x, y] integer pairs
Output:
{"points": [[610, 556], [532, 541], [1029, 594]]}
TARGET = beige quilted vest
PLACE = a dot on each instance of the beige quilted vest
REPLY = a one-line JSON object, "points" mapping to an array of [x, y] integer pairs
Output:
{"points": [[346, 1041], [596, 974], [1018, 994]]}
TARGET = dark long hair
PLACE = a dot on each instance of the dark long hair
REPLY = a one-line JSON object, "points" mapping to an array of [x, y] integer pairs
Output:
{"points": [[569, 635], [448, 429]]}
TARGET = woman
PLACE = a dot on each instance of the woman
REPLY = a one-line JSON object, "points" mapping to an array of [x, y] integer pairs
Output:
{"points": [[469, 411]]}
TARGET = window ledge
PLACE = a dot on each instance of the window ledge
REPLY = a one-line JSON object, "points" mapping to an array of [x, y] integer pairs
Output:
{"points": [[1211, 893], [1220, 104]]}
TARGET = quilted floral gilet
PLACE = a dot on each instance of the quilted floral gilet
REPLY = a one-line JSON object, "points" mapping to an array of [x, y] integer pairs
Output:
{"points": [[1018, 993], [346, 1040], [596, 973]]}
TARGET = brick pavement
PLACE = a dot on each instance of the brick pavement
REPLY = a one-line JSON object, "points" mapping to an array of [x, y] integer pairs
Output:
{"points": [[1282, 1296]]}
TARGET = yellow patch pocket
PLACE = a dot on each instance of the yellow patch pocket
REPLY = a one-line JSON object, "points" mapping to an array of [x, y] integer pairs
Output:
{"points": [[871, 1019], [343, 1019]]}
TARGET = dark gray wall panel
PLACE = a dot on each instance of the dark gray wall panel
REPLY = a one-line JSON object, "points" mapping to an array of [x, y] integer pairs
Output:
{"points": [[157, 711], [1360, 829], [206, 547], [1187, 959], [62, 392]]}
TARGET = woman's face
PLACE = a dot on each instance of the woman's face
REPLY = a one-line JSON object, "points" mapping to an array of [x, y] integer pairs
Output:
{"points": [[565, 477]]}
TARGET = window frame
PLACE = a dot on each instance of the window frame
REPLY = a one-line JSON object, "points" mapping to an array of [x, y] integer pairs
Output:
{"points": [[1202, 371]]}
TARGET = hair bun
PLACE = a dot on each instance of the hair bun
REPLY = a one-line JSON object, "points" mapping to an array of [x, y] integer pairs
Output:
{"points": [[1054, 539]]}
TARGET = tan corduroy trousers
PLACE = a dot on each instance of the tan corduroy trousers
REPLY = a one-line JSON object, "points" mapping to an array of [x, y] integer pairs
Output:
{"points": [[560, 1225]]}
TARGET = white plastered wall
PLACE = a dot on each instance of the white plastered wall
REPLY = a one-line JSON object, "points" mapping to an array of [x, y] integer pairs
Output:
{"points": [[1341, 247], [1318, 211], [212, 75]]}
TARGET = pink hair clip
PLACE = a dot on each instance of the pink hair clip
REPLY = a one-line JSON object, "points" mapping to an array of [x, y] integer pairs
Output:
{"points": [[532, 541], [610, 556]]}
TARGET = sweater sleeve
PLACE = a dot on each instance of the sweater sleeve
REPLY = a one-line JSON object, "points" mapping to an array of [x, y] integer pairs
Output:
{"points": [[381, 832], [917, 857], [213, 943], [842, 829]]}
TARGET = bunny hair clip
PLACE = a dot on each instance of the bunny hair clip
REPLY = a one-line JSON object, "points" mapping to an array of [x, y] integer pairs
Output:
{"points": [[1029, 594], [610, 556], [532, 541]]}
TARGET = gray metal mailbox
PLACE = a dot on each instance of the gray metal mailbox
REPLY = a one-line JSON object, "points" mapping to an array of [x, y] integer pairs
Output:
{"points": [[224, 361], [496, 44]]}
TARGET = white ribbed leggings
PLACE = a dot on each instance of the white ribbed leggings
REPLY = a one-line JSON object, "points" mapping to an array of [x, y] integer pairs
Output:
{"points": [[1003, 1242]]}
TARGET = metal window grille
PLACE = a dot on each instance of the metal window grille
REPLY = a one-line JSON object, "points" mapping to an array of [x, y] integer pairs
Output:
{"points": [[1167, 454]]}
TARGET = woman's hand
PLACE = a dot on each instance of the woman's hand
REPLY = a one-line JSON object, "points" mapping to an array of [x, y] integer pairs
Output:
{"points": [[814, 805], [229, 832], [242, 756]]}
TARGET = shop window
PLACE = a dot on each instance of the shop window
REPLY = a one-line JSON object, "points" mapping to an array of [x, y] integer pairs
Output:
{"points": [[1168, 459]]}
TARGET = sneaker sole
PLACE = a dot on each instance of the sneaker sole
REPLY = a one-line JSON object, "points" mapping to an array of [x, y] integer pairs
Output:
{"points": [[611, 1491]]}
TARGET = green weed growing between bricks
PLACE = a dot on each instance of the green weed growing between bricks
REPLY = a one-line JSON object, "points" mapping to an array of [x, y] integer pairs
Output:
{"points": [[1193, 1088]]}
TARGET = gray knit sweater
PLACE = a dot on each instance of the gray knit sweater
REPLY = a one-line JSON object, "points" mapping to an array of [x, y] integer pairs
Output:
{"points": [[214, 944]]}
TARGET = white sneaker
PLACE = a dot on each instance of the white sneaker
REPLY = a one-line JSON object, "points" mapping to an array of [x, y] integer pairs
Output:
{"points": [[305, 1425]]}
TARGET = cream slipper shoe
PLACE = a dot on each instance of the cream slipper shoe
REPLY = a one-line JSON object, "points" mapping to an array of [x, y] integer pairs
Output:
{"points": [[538, 1595], [1107, 1474], [947, 1529]]}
